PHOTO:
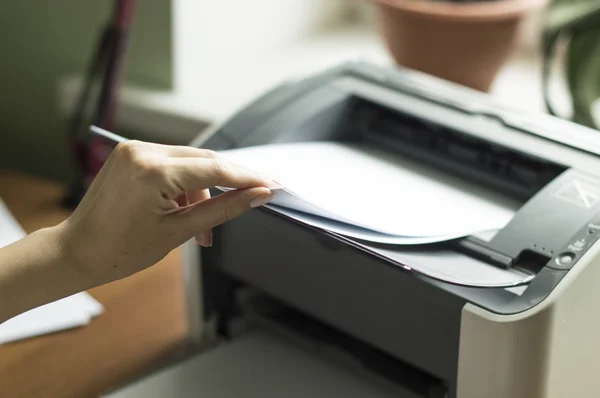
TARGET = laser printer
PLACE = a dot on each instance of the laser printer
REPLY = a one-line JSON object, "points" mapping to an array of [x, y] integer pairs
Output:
{"points": [[282, 308]]}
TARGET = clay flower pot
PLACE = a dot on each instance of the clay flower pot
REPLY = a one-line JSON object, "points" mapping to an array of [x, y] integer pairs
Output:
{"points": [[465, 42]]}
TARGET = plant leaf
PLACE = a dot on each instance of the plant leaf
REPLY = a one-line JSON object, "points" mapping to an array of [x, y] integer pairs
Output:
{"points": [[579, 20], [583, 74]]}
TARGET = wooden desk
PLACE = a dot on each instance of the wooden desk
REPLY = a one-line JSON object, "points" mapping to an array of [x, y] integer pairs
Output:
{"points": [[144, 321]]}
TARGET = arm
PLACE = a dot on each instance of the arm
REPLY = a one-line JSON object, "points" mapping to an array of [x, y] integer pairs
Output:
{"points": [[37, 270], [147, 200]]}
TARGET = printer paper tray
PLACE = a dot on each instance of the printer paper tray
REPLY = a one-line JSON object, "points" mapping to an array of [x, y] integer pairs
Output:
{"points": [[258, 364], [431, 261]]}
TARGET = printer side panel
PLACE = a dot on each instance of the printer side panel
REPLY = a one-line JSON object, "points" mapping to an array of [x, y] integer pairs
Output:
{"points": [[550, 351], [501, 358]]}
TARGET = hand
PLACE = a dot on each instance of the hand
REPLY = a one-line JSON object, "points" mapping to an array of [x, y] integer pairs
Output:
{"points": [[148, 199]]}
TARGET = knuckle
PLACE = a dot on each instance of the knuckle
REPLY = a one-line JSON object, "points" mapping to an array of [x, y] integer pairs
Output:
{"points": [[152, 169], [226, 214], [209, 154], [219, 168], [128, 150], [136, 154], [231, 210]]}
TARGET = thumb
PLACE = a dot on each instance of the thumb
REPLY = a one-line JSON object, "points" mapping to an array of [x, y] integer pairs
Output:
{"points": [[217, 210]]}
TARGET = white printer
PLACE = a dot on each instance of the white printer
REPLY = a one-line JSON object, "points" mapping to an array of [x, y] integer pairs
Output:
{"points": [[282, 308]]}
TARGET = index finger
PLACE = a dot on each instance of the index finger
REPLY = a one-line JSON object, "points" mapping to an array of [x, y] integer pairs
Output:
{"points": [[203, 173]]}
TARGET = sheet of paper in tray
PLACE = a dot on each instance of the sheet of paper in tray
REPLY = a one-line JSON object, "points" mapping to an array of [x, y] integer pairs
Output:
{"points": [[369, 194]]}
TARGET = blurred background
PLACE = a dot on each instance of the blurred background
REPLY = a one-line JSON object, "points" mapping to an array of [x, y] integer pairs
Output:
{"points": [[192, 63]]}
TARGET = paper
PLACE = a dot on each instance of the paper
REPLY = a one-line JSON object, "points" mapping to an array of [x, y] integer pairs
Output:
{"points": [[453, 267], [440, 264], [10, 230], [67, 313], [352, 231], [368, 194]]}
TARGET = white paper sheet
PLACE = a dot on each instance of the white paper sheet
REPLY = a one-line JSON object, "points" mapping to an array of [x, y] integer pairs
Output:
{"points": [[369, 194], [10, 229], [352, 231], [442, 264], [67, 313]]}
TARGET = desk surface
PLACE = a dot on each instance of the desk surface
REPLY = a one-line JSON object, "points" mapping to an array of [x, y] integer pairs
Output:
{"points": [[144, 321]]}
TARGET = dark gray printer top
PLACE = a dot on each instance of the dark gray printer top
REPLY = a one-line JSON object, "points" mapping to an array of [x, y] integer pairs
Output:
{"points": [[548, 164]]}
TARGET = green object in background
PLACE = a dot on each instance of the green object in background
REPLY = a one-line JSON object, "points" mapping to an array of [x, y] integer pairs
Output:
{"points": [[578, 22], [44, 41]]}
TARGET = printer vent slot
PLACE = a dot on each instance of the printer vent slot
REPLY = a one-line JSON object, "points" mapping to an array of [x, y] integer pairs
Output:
{"points": [[515, 173]]}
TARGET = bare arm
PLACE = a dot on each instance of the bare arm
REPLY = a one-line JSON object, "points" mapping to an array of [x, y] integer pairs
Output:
{"points": [[147, 200], [36, 270]]}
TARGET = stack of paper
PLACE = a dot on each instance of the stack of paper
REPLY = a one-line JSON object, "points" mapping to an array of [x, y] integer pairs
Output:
{"points": [[369, 194], [388, 204], [67, 313]]}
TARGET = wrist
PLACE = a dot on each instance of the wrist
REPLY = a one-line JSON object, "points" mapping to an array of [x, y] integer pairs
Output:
{"points": [[38, 269], [69, 256]]}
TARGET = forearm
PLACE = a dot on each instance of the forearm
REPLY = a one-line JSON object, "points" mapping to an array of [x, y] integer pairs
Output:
{"points": [[37, 270]]}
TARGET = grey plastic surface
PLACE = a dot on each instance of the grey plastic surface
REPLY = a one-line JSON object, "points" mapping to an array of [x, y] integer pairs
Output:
{"points": [[256, 365], [344, 287]]}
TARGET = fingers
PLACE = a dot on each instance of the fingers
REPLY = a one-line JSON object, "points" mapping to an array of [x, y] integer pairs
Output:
{"points": [[179, 150], [183, 200], [202, 173], [204, 238], [198, 196], [188, 168], [215, 211], [188, 152]]}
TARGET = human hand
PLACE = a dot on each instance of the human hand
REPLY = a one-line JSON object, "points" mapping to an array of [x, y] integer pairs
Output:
{"points": [[150, 198]]}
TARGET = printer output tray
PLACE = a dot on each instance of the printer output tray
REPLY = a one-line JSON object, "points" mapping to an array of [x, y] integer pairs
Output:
{"points": [[258, 364], [432, 261]]}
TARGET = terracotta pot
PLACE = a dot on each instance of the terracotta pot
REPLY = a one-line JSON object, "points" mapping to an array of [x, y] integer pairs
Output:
{"points": [[466, 43]]}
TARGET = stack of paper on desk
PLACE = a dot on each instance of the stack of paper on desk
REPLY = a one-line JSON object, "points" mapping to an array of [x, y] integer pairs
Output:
{"points": [[67, 313], [369, 194]]}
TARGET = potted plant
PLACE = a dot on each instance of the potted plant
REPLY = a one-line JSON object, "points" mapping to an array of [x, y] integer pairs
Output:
{"points": [[464, 41], [577, 24]]}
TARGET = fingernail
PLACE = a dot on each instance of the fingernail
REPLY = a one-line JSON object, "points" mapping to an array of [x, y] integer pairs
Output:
{"points": [[275, 185], [204, 239], [261, 200], [200, 240]]}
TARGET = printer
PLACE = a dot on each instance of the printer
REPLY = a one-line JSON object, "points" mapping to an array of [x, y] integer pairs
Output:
{"points": [[280, 308]]}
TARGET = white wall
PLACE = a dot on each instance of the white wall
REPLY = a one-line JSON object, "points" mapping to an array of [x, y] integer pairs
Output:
{"points": [[211, 34]]}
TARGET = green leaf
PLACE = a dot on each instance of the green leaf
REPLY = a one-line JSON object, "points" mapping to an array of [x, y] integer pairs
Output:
{"points": [[583, 74], [579, 21], [566, 13]]}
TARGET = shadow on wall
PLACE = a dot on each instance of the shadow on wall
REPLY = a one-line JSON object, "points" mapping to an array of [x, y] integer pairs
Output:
{"points": [[41, 42]]}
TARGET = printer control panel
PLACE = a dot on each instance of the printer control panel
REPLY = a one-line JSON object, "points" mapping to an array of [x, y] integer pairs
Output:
{"points": [[577, 247]]}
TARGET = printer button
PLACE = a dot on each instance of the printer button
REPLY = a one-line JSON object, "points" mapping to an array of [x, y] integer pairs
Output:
{"points": [[565, 260]]}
